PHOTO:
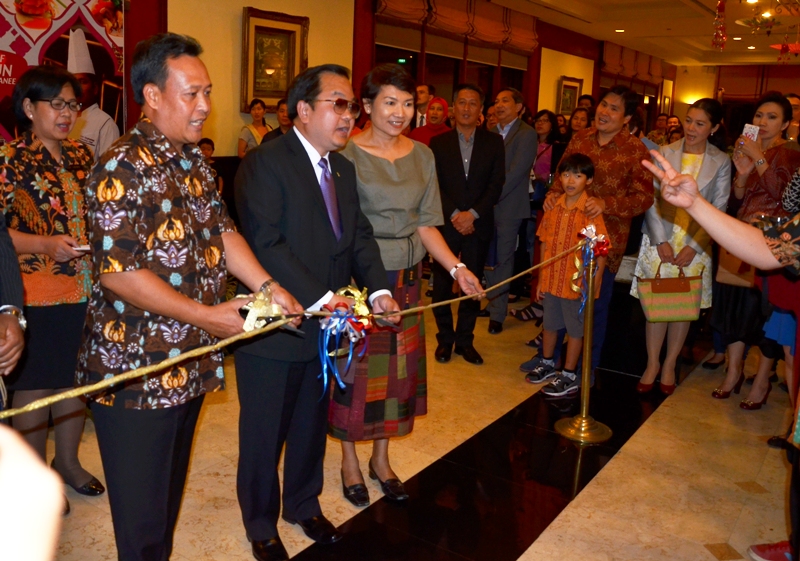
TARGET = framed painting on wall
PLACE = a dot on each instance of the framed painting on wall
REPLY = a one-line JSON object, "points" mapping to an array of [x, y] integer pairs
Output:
{"points": [[274, 51], [569, 90]]}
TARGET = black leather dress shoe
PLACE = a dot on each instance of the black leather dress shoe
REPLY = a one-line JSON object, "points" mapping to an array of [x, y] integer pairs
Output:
{"points": [[392, 488], [443, 353], [469, 353], [356, 494], [495, 327], [484, 313], [269, 550], [319, 529]]}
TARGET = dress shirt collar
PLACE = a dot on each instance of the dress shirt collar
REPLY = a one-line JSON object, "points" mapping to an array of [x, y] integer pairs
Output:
{"points": [[580, 204], [504, 130], [160, 145], [462, 138], [313, 154], [618, 140]]}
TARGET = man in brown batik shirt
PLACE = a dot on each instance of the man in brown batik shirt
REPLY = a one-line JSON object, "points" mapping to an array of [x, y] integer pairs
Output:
{"points": [[162, 245], [621, 189]]}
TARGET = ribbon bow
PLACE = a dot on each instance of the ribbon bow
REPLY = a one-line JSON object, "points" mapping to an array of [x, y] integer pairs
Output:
{"points": [[354, 324], [594, 245], [261, 310]]}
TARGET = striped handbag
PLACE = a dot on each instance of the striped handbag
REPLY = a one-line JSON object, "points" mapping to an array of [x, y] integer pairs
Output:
{"points": [[665, 300]]}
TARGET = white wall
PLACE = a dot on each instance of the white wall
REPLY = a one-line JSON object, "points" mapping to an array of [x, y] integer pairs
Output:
{"points": [[693, 83], [218, 27], [556, 64]]}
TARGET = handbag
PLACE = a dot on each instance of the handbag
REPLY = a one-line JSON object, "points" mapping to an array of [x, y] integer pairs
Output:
{"points": [[732, 270], [665, 300]]}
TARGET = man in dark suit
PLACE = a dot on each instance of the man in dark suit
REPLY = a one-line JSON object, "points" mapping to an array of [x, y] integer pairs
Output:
{"points": [[521, 142], [470, 165], [284, 123], [425, 93], [300, 213]]}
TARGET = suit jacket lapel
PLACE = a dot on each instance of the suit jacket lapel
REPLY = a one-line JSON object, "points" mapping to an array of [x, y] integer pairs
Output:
{"points": [[674, 157], [477, 146], [455, 146], [302, 164], [346, 212], [513, 131], [708, 169]]}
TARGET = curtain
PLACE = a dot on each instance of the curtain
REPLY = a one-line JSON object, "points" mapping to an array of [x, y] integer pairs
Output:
{"points": [[413, 11]]}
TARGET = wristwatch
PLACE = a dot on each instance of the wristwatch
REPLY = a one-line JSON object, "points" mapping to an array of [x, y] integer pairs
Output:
{"points": [[268, 283], [14, 311], [456, 268], [760, 161]]}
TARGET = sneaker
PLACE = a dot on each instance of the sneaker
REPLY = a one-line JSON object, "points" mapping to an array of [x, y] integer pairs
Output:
{"points": [[529, 365], [565, 384], [545, 370], [780, 551]]}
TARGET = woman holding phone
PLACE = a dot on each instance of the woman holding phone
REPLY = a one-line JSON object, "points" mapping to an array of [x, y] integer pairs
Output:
{"points": [[43, 175]]}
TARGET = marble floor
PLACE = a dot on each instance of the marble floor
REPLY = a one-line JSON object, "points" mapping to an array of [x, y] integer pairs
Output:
{"points": [[683, 478]]}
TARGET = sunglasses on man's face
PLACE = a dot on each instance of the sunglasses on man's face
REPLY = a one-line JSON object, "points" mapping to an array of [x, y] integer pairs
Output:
{"points": [[341, 105]]}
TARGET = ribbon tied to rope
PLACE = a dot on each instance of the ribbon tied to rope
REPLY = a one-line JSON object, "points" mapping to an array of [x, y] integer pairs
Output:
{"points": [[595, 246], [344, 322]]}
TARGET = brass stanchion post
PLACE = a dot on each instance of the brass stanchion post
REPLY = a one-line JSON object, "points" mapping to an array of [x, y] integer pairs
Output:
{"points": [[582, 428]]}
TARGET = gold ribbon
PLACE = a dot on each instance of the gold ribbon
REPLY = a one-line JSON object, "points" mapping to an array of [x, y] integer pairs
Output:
{"points": [[145, 370]]}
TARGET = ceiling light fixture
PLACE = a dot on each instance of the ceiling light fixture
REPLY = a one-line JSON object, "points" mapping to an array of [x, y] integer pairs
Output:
{"points": [[620, 30], [766, 14], [752, 1], [737, 38], [751, 47]]}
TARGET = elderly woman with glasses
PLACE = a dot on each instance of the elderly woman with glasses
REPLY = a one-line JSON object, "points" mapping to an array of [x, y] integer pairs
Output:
{"points": [[42, 175], [399, 193]]}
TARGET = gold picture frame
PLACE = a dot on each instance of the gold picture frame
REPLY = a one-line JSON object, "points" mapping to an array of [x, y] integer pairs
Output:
{"points": [[569, 90], [274, 51]]}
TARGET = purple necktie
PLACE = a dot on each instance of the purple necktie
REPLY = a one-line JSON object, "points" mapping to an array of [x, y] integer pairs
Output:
{"points": [[329, 194]]}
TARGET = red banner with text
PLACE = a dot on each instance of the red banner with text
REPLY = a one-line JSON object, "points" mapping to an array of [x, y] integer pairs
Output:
{"points": [[34, 32]]}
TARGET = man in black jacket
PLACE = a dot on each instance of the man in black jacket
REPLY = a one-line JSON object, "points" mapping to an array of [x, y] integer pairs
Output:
{"points": [[299, 210], [470, 164]]}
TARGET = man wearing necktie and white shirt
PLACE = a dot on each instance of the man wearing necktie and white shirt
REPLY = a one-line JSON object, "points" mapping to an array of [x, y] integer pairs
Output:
{"points": [[299, 210], [425, 93]]}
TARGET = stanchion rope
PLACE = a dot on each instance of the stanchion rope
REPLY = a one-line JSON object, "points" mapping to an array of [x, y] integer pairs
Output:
{"points": [[200, 351]]}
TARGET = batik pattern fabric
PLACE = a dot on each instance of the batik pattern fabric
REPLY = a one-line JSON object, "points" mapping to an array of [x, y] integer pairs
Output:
{"points": [[783, 241], [764, 193], [389, 385], [559, 231], [153, 207], [44, 197], [620, 180]]}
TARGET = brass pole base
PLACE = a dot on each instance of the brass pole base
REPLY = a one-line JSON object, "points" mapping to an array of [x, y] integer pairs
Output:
{"points": [[583, 429]]}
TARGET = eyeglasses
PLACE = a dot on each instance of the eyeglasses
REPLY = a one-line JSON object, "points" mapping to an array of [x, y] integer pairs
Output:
{"points": [[59, 104], [340, 105], [542, 120]]}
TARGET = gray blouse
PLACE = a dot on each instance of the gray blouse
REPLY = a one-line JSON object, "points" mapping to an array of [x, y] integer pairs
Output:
{"points": [[398, 198]]}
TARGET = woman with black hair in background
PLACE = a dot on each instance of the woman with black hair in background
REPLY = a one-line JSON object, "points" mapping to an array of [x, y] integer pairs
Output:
{"points": [[673, 241], [42, 178], [252, 135]]}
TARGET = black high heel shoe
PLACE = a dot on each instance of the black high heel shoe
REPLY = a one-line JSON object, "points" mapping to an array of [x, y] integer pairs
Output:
{"points": [[356, 494], [392, 488], [91, 489]]}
